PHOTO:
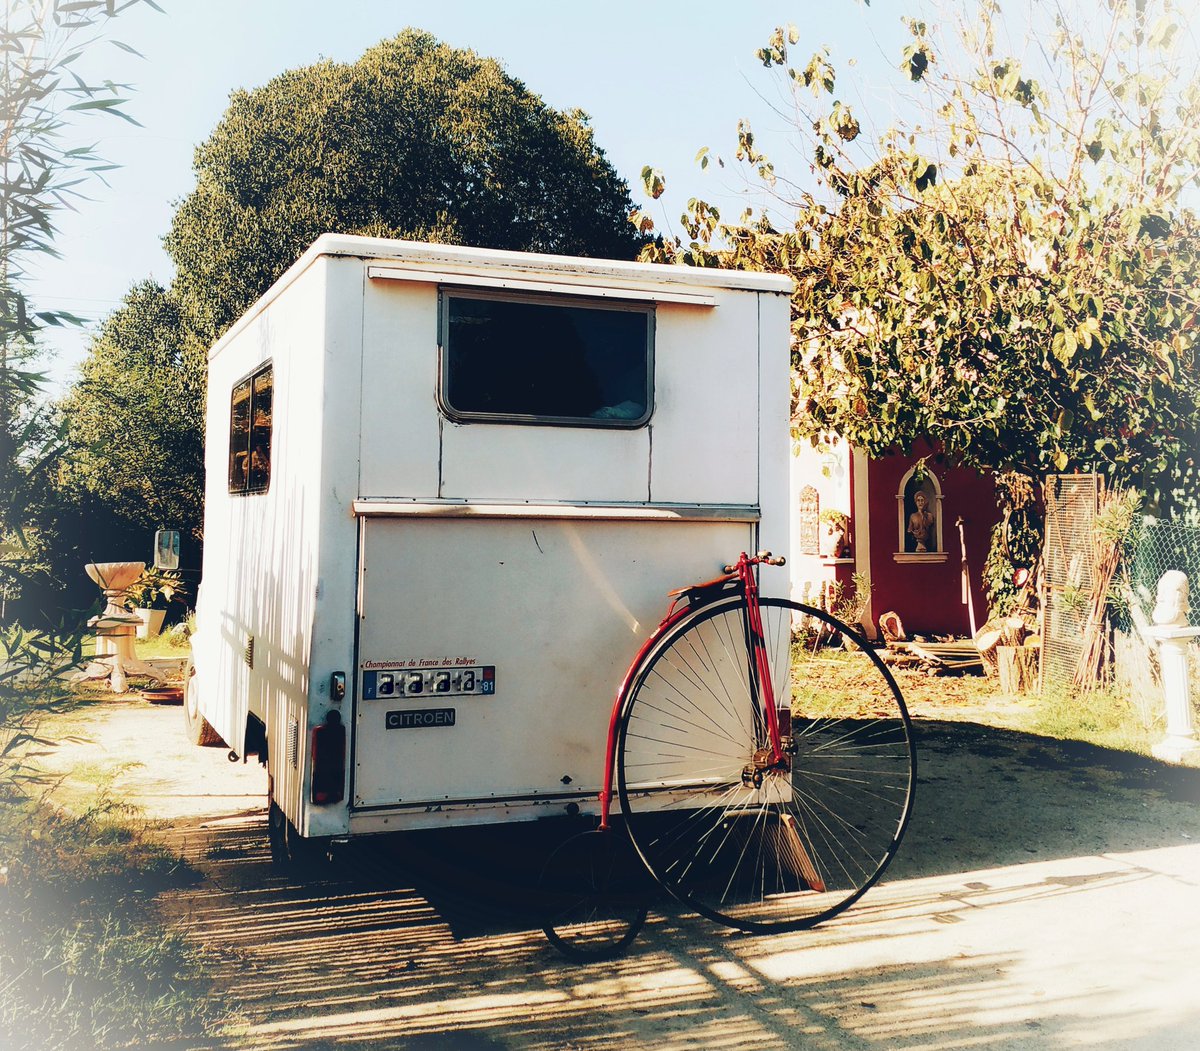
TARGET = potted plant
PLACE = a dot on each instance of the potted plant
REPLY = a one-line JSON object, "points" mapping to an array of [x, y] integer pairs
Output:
{"points": [[149, 595], [837, 526]]}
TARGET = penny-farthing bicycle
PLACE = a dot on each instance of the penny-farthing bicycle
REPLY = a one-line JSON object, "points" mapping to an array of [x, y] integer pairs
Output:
{"points": [[752, 791]]}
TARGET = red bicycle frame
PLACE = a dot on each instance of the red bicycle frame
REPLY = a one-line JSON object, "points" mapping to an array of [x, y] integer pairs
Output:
{"points": [[684, 603]]}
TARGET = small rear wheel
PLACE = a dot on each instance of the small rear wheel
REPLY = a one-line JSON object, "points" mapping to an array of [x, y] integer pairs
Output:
{"points": [[758, 847], [198, 729], [595, 897], [290, 850]]}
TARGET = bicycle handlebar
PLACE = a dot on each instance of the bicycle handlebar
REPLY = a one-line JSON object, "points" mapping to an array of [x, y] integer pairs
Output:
{"points": [[764, 557]]}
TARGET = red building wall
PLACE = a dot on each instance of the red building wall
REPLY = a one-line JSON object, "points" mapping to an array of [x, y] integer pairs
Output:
{"points": [[928, 595]]}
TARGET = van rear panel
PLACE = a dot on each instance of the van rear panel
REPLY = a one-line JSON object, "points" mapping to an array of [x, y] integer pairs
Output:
{"points": [[481, 676]]}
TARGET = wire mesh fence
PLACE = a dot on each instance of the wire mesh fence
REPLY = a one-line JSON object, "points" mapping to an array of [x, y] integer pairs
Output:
{"points": [[1160, 545], [1154, 548], [1081, 604]]}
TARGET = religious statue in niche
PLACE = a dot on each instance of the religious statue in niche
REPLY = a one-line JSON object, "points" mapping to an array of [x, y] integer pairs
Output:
{"points": [[810, 508], [921, 531]]}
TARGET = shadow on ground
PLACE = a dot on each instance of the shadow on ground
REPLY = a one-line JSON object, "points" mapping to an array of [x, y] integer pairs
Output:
{"points": [[433, 941], [989, 797]]}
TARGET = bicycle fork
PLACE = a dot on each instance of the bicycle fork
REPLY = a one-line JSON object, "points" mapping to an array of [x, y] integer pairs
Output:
{"points": [[773, 753]]}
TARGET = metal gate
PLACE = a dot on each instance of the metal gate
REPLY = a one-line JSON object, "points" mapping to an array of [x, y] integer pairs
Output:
{"points": [[1072, 503]]}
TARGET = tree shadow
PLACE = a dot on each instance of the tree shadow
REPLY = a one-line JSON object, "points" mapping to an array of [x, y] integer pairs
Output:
{"points": [[988, 797], [432, 940]]}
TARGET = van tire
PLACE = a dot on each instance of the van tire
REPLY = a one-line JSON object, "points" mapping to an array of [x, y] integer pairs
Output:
{"points": [[198, 729]]}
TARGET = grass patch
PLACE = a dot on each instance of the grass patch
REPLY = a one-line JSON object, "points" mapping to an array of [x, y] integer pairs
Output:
{"points": [[1103, 718], [84, 962], [831, 683], [162, 645]]}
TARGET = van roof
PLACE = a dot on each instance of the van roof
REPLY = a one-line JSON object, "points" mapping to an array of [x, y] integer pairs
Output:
{"points": [[489, 262]]}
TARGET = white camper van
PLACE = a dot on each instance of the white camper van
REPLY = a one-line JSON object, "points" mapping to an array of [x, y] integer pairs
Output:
{"points": [[448, 490]]}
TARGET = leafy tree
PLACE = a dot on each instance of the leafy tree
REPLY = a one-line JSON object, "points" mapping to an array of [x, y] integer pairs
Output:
{"points": [[1013, 274], [417, 140], [132, 418]]}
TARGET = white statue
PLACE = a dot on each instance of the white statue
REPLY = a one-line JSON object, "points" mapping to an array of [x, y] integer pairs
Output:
{"points": [[1171, 601], [1175, 640]]}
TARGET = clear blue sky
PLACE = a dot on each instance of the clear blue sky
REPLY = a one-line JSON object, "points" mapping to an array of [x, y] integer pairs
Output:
{"points": [[660, 80]]}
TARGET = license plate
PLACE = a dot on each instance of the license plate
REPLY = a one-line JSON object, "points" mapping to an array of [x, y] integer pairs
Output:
{"points": [[419, 718], [429, 682]]}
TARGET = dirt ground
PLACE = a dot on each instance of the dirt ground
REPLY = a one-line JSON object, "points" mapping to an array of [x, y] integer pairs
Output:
{"points": [[1044, 897]]}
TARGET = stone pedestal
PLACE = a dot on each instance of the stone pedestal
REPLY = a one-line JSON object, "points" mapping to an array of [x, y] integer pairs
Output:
{"points": [[1181, 741], [116, 627]]}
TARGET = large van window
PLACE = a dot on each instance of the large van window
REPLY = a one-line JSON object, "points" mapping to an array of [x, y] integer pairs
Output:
{"points": [[250, 434], [546, 360]]}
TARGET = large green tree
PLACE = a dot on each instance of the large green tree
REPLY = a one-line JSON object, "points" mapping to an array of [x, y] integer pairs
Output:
{"points": [[1013, 271], [131, 417], [416, 139]]}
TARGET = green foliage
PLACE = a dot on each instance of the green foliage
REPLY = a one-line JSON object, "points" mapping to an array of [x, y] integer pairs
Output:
{"points": [[416, 140], [40, 173], [68, 526], [33, 666], [153, 586], [135, 418], [1104, 717], [831, 516], [86, 964], [1013, 276], [849, 604], [1016, 543]]}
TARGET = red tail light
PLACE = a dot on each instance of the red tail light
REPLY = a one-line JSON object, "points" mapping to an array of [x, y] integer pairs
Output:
{"points": [[329, 760]]}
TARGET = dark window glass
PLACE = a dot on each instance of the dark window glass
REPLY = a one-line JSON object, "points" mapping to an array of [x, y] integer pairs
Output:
{"points": [[250, 434], [239, 437], [260, 434], [546, 362]]}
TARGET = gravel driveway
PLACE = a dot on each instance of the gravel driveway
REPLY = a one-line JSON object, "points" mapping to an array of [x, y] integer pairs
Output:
{"points": [[1047, 896]]}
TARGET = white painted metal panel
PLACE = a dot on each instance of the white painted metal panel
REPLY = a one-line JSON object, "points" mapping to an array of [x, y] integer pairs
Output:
{"points": [[279, 565], [706, 417], [261, 568], [400, 439], [558, 608], [486, 461], [589, 512], [774, 430]]}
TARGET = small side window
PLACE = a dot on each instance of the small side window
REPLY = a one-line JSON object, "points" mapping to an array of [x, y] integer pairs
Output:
{"points": [[250, 434], [546, 360]]}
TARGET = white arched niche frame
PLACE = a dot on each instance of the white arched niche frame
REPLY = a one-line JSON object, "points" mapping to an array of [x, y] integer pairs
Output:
{"points": [[912, 483]]}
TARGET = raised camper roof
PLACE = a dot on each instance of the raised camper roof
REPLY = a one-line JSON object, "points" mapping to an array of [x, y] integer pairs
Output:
{"points": [[517, 271]]}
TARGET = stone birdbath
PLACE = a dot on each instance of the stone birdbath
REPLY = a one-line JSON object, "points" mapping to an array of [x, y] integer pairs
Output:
{"points": [[116, 627]]}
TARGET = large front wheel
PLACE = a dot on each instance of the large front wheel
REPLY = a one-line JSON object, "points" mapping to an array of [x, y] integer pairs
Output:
{"points": [[759, 847]]}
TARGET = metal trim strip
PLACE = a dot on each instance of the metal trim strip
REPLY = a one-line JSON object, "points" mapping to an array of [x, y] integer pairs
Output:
{"points": [[520, 283], [586, 512]]}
